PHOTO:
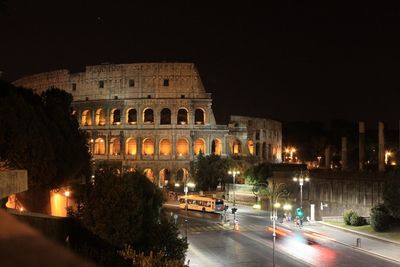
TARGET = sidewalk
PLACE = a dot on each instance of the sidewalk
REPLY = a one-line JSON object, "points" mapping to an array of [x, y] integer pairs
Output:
{"points": [[371, 245]]}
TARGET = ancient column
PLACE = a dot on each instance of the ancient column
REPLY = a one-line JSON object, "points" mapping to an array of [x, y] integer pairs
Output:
{"points": [[361, 145], [381, 150], [344, 154], [328, 157]]}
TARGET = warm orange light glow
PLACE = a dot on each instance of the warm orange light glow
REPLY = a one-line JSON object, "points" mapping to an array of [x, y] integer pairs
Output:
{"points": [[99, 147], [250, 146], [100, 117], [148, 147], [58, 203], [165, 147], [182, 147], [115, 146], [217, 147], [199, 145], [236, 147], [67, 193], [131, 148], [87, 117]]}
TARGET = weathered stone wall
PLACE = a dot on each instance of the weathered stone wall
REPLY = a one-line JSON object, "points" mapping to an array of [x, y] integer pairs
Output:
{"points": [[336, 191], [13, 181], [105, 90]]}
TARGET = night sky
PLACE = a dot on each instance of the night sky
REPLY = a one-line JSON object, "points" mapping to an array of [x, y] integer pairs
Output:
{"points": [[296, 61]]}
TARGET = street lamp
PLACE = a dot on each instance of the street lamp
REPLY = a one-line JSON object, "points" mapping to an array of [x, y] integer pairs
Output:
{"points": [[67, 194], [301, 179], [234, 173], [185, 189]]}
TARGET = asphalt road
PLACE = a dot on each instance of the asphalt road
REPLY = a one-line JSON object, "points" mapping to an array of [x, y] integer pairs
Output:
{"points": [[212, 244]]}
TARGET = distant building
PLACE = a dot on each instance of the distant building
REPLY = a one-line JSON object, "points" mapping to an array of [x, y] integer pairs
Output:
{"points": [[156, 117]]}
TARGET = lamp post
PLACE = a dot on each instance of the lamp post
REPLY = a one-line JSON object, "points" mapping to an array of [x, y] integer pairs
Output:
{"points": [[185, 189], [234, 173], [66, 194], [301, 179]]}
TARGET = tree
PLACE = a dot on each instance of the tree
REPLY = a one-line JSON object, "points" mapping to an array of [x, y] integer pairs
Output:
{"points": [[126, 210], [41, 135], [258, 173], [391, 197], [209, 169]]}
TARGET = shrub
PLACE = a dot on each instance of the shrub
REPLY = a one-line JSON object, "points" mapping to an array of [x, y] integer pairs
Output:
{"points": [[357, 220], [347, 216], [380, 218]]}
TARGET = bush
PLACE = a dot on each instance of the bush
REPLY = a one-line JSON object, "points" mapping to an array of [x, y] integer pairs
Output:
{"points": [[380, 218], [347, 216], [356, 220]]}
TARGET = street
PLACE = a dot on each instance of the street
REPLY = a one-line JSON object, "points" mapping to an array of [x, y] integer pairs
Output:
{"points": [[212, 244]]}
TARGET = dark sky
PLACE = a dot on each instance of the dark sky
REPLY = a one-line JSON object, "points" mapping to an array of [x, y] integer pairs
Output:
{"points": [[292, 61]]}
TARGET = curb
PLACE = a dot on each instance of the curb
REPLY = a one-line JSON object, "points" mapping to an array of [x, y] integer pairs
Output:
{"points": [[361, 249], [361, 233]]}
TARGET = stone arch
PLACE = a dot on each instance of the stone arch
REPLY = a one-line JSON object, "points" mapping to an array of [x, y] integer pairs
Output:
{"points": [[236, 147], [216, 147], [182, 116], [199, 145], [101, 117], [182, 147], [148, 172], [87, 117], [148, 147], [264, 150], [250, 147], [131, 116], [99, 146], [148, 115], [164, 177], [165, 116], [115, 146], [182, 175], [131, 147], [115, 117], [199, 116], [258, 150], [165, 147]]}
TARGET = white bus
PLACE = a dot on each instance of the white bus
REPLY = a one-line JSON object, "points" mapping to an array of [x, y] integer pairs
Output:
{"points": [[200, 203]]}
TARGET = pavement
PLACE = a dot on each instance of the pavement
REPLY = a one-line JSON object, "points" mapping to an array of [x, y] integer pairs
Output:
{"points": [[372, 245]]}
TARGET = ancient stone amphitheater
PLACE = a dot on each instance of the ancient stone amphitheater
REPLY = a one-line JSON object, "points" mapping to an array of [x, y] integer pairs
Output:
{"points": [[156, 117]]}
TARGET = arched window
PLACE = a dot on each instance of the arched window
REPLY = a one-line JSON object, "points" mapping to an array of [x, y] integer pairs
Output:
{"points": [[258, 150], [100, 117], [237, 147], [182, 175], [165, 147], [148, 147], [131, 147], [182, 147], [199, 146], [199, 116], [165, 117], [264, 151], [87, 117], [131, 116], [216, 147], [99, 147], [115, 146], [149, 174], [250, 146], [164, 177], [182, 116], [115, 116], [148, 115]]}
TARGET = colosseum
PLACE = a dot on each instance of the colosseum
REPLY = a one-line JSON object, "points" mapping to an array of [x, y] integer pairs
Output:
{"points": [[156, 117]]}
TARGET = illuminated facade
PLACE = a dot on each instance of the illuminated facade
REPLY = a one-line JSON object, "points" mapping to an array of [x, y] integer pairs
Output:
{"points": [[156, 117]]}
